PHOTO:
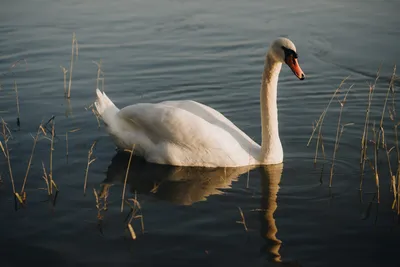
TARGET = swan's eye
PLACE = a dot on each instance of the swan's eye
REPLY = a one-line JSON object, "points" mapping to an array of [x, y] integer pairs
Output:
{"points": [[289, 52]]}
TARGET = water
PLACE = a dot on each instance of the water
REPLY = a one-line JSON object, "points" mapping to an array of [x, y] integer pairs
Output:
{"points": [[212, 52]]}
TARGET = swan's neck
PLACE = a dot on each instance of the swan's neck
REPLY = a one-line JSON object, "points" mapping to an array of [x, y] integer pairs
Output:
{"points": [[271, 147]]}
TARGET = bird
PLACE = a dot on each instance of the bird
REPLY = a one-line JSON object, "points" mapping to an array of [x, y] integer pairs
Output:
{"points": [[189, 133]]}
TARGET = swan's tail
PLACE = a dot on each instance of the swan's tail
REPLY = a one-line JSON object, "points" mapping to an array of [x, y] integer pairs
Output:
{"points": [[103, 103]]}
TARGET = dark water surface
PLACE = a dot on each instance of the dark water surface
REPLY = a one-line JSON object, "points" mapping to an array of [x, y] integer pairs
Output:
{"points": [[212, 52]]}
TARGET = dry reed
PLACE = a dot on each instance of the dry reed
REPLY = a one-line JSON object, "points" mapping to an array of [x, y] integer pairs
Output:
{"points": [[35, 139], [320, 121], [51, 158], [46, 178], [100, 205], [156, 185], [17, 101], [126, 175], [66, 145], [374, 165], [89, 161], [364, 139], [243, 221], [338, 133], [396, 196], [99, 73], [99, 209], [394, 178], [6, 136], [76, 50], [49, 183], [381, 137], [381, 129], [377, 141], [65, 79], [133, 214]]}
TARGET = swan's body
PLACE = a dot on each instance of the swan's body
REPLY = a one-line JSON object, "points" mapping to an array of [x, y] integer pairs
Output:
{"points": [[180, 133], [188, 133]]}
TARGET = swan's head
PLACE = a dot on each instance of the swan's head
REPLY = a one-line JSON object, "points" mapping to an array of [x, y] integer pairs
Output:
{"points": [[283, 50]]}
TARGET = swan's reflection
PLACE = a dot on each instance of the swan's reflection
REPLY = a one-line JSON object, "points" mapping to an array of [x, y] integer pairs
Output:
{"points": [[187, 185], [179, 185]]}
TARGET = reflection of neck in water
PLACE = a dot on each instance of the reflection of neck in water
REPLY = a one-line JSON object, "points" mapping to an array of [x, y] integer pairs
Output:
{"points": [[270, 179], [187, 185]]}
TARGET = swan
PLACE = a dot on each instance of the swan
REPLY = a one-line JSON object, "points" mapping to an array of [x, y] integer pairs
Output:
{"points": [[188, 133]]}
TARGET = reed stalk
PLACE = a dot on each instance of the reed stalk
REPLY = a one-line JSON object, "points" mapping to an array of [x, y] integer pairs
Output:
{"points": [[397, 177], [398, 192], [98, 205], [392, 177], [375, 167], [243, 221], [64, 70], [126, 176], [35, 139], [391, 111], [99, 73], [17, 101], [364, 139], [66, 145], [51, 159], [320, 122], [339, 132], [135, 208], [6, 153], [89, 161], [76, 50], [49, 183], [381, 129], [46, 178]]}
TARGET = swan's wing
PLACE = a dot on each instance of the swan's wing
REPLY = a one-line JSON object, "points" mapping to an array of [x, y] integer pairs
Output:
{"points": [[165, 123], [212, 116], [181, 135]]}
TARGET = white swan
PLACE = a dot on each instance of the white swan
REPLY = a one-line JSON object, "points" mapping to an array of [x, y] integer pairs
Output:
{"points": [[188, 133]]}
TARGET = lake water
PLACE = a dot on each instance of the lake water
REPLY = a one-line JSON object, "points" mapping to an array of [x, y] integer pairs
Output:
{"points": [[211, 52]]}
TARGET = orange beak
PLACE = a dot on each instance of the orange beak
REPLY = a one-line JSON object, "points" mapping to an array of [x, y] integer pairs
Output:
{"points": [[293, 64]]}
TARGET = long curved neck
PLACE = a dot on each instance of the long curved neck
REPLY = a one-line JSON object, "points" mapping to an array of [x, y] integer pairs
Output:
{"points": [[271, 147]]}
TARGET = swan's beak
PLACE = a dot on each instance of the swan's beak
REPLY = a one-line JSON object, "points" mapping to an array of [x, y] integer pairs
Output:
{"points": [[293, 64]]}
